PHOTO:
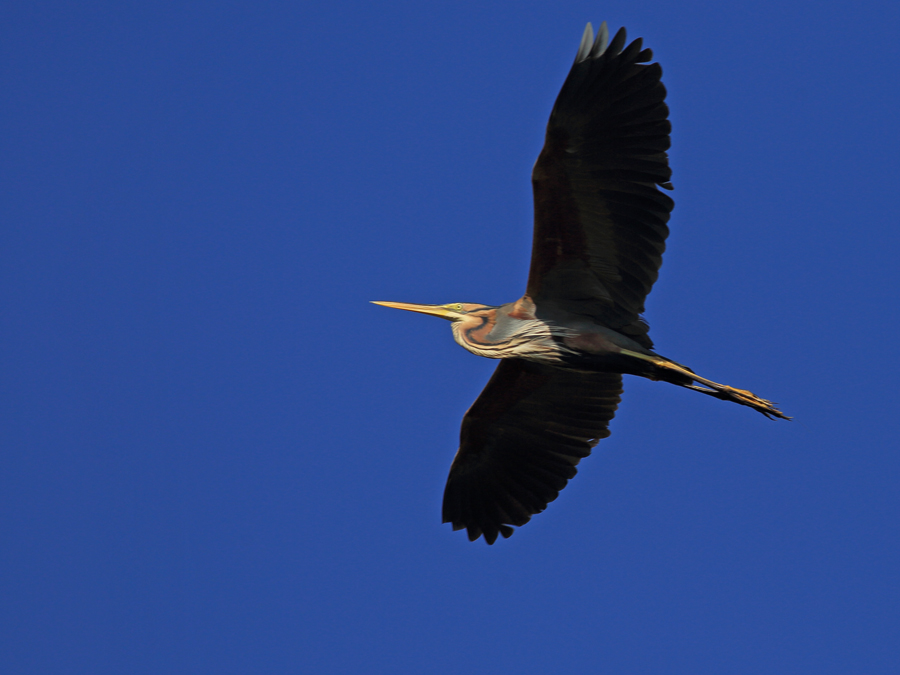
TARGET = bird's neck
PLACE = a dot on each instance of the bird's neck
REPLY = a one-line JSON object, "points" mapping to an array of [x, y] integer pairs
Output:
{"points": [[510, 331]]}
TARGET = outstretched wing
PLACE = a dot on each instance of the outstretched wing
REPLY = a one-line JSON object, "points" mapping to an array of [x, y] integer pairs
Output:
{"points": [[599, 217], [520, 442]]}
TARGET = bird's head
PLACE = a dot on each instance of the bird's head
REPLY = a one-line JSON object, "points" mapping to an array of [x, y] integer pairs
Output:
{"points": [[471, 322]]}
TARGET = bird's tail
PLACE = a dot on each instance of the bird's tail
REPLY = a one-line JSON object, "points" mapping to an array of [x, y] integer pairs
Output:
{"points": [[669, 371]]}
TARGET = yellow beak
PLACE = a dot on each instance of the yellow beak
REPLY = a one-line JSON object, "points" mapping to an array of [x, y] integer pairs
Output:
{"points": [[434, 310]]}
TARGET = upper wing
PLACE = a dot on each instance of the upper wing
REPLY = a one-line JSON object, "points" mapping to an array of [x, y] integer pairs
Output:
{"points": [[520, 442], [599, 218]]}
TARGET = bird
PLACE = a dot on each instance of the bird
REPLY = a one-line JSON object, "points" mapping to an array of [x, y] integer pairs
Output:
{"points": [[600, 226]]}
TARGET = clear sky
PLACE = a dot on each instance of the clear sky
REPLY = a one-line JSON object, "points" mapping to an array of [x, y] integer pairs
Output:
{"points": [[218, 458]]}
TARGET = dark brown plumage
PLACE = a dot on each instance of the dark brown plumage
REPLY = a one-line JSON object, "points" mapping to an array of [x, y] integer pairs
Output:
{"points": [[600, 225], [599, 219], [520, 442]]}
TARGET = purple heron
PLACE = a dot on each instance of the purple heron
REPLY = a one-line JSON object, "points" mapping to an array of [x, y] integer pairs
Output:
{"points": [[599, 235]]}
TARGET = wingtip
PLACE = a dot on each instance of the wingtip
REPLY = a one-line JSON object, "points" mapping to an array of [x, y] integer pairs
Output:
{"points": [[591, 47], [601, 42], [587, 43]]}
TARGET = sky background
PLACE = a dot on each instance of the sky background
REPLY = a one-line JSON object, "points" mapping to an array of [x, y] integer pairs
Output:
{"points": [[218, 458]]}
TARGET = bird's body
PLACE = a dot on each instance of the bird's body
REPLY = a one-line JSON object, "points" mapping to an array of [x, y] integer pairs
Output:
{"points": [[599, 234]]}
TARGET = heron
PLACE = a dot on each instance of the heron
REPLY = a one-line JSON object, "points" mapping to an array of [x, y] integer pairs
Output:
{"points": [[600, 226]]}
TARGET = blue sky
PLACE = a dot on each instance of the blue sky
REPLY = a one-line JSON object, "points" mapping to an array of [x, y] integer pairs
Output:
{"points": [[219, 458]]}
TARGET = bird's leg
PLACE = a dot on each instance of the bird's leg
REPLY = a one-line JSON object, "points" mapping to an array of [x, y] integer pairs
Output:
{"points": [[720, 391]]}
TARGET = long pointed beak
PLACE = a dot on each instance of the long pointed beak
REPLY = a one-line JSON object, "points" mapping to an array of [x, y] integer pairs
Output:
{"points": [[433, 310]]}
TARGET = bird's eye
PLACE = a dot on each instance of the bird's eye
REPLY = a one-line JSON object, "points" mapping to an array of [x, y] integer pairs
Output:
{"points": [[458, 307]]}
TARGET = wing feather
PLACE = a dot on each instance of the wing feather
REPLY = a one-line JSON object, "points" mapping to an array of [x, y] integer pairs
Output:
{"points": [[600, 217], [521, 441]]}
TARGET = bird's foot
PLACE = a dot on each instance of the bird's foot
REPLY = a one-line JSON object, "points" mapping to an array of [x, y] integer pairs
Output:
{"points": [[743, 397], [721, 391]]}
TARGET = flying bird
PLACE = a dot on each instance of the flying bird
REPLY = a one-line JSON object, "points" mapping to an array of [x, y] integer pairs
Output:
{"points": [[600, 226]]}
